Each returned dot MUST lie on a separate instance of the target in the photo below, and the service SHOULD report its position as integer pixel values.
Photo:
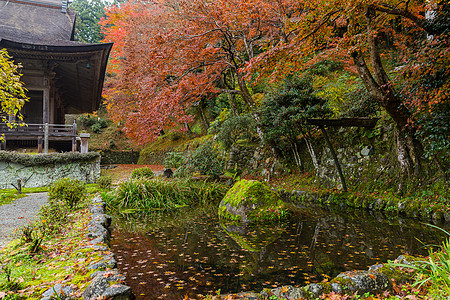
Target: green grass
(8, 196)
(62, 259)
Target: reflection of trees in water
(312, 243)
(342, 240)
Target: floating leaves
(200, 257)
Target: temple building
(62, 76)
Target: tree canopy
(89, 13)
(12, 92)
(171, 54)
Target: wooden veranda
(42, 133)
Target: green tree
(12, 92)
(284, 111)
(89, 14)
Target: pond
(189, 252)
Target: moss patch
(250, 200)
(62, 259)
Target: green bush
(234, 128)
(53, 216)
(184, 171)
(175, 159)
(99, 125)
(104, 182)
(69, 191)
(207, 160)
(49, 158)
(87, 120)
(142, 173)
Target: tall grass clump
(146, 195)
(433, 273)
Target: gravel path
(16, 214)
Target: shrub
(142, 173)
(183, 171)
(99, 125)
(234, 128)
(175, 159)
(53, 216)
(207, 160)
(87, 120)
(69, 191)
(104, 182)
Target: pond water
(189, 252)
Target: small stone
(103, 239)
(168, 173)
(375, 267)
(288, 292)
(315, 289)
(118, 291)
(97, 231)
(336, 287)
(96, 208)
(100, 219)
(366, 281)
(96, 288)
(447, 216)
(61, 291)
(367, 150)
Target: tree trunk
(381, 89)
(201, 112)
(297, 158)
(312, 153)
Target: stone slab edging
(105, 284)
(106, 281)
(406, 207)
(377, 279)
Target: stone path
(17, 214)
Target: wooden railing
(40, 132)
(54, 131)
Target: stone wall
(110, 157)
(44, 169)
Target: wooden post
(40, 144)
(335, 158)
(74, 144)
(74, 127)
(84, 142)
(74, 138)
(46, 138)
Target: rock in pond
(251, 201)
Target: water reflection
(192, 253)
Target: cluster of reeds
(142, 194)
(433, 272)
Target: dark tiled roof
(39, 33)
(33, 24)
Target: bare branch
(392, 10)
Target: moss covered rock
(252, 201)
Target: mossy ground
(62, 259)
